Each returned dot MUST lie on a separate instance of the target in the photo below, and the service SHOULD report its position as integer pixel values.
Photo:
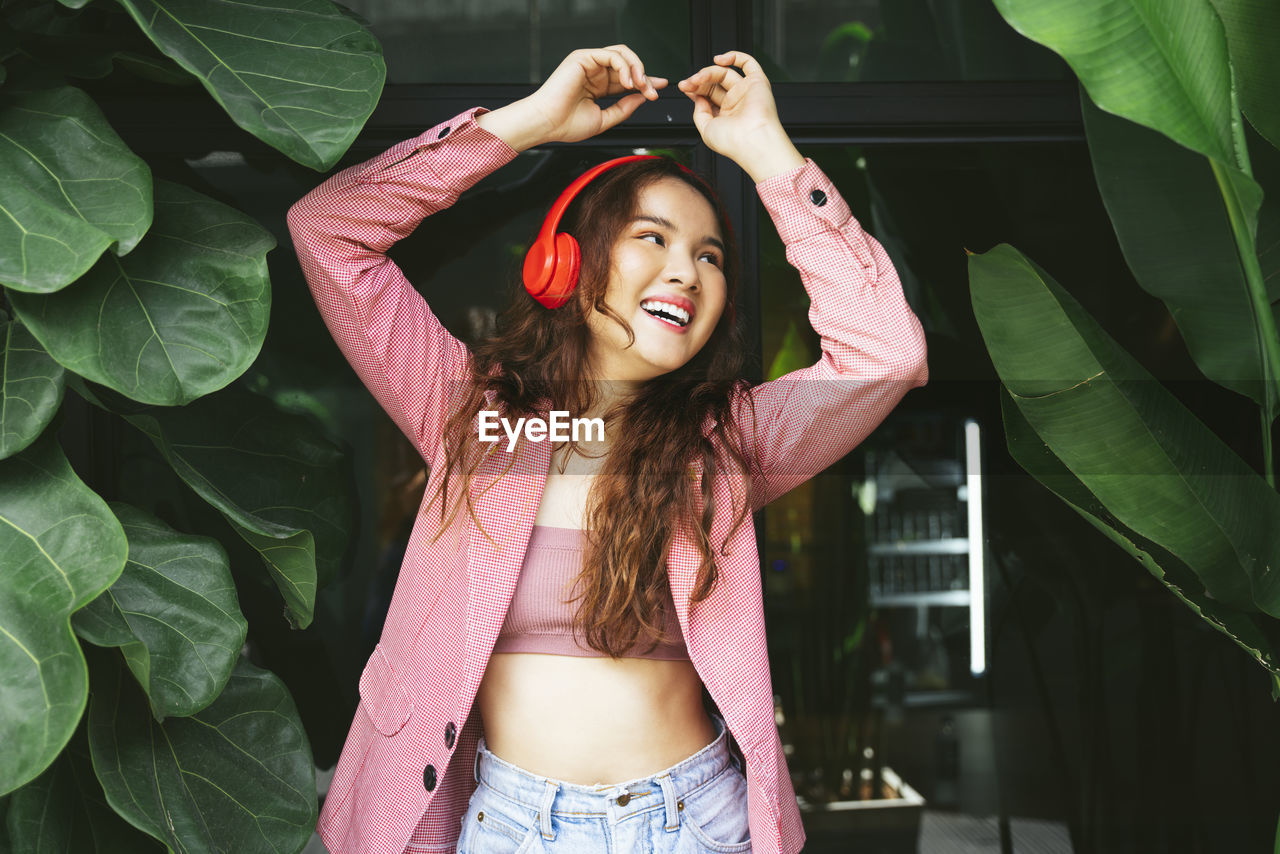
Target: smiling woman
(668, 266)
(495, 712)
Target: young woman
(563, 604)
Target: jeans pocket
(496, 825)
(715, 815)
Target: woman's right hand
(564, 108)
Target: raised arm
(873, 348)
(342, 230)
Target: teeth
(674, 311)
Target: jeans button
(624, 799)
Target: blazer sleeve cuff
(460, 151)
(803, 203)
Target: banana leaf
(1156, 468)
(1034, 456)
(1166, 66)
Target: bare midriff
(589, 720)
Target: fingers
(617, 65)
(620, 110)
(626, 65)
(634, 65)
(702, 112)
(711, 82)
(746, 62)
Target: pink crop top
(539, 619)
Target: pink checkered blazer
(405, 775)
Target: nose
(681, 270)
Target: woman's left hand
(737, 117)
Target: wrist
(769, 154)
(518, 124)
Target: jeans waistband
(613, 801)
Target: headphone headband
(552, 262)
(561, 204)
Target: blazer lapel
(682, 569)
(724, 630)
(506, 503)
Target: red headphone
(552, 263)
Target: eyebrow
(666, 223)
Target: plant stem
(1268, 461)
(1264, 320)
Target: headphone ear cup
(539, 265)
(564, 278)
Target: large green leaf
(71, 189)
(97, 54)
(90, 44)
(1155, 467)
(298, 74)
(236, 777)
(1166, 66)
(1168, 213)
(61, 547)
(1160, 63)
(173, 612)
(1253, 32)
(183, 315)
(31, 385)
(1032, 454)
(279, 482)
(64, 810)
(1266, 168)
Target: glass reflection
(519, 41)
(898, 40)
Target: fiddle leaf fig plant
(180, 316)
(172, 612)
(75, 188)
(131, 716)
(33, 384)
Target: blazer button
(818, 197)
(450, 732)
(443, 133)
(429, 778)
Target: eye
(712, 257)
(656, 238)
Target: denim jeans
(697, 805)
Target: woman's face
(667, 281)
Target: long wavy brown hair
(644, 488)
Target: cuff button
(443, 133)
(818, 198)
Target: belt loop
(669, 801)
(544, 811)
(475, 766)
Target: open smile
(669, 313)
(669, 326)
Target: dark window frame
(163, 122)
